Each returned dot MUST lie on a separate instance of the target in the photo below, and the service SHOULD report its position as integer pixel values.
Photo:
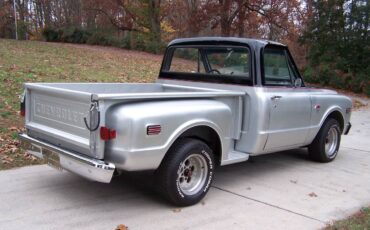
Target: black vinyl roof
(223, 40)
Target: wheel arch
(204, 131)
(335, 114)
(207, 135)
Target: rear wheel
(325, 146)
(186, 173)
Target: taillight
(23, 107)
(107, 134)
(23, 112)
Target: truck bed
(59, 109)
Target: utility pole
(15, 20)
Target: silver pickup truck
(216, 102)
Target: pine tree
(338, 40)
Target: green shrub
(74, 35)
(309, 76)
(154, 47)
(356, 84)
(80, 36)
(367, 89)
(22, 30)
(126, 42)
(114, 41)
(134, 40)
(51, 35)
(97, 39)
(360, 83)
(337, 81)
(65, 34)
(325, 74)
(139, 42)
(366, 76)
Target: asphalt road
(276, 191)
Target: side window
(292, 69)
(277, 69)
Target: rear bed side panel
(134, 150)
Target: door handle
(274, 98)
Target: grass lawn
(358, 221)
(31, 61)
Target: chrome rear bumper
(87, 167)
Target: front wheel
(325, 146)
(186, 173)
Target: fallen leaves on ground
(121, 227)
(312, 194)
(11, 155)
(13, 128)
(357, 104)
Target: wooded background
(329, 38)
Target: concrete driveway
(277, 191)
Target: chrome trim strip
(84, 166)
(165, 95)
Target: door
(289, 105)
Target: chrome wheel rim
(331, 142)
(192, 174)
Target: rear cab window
(226, 64)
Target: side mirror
(297, 82)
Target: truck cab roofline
(223, 40)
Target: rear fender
(133, 149)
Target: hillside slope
(32, 61)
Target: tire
(186, 173)
(325, 146)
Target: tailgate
(57, 115)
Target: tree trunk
(241, 19)
(154, 22)
(47, 12)
(192, 29)
(225, 17)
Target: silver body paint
(248, 120)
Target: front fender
(331, 110)
(329, 104)
(133, 149)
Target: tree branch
(114, 22)
(258, 11)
